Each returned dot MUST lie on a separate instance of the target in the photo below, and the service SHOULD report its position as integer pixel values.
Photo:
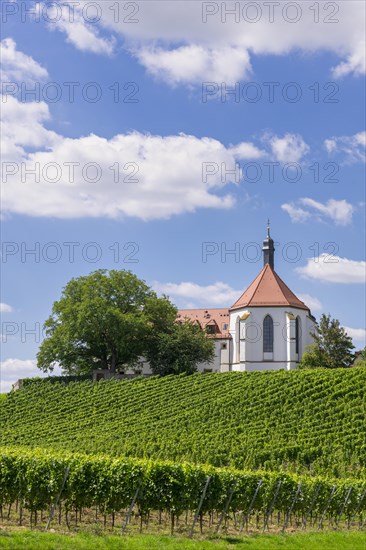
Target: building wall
(221, 362)
(247, 337)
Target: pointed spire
(268, 249)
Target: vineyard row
(295, 421)
(35, 480)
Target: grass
(329, 540)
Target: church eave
(266, 304)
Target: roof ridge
(279, 281)
(203, 309)
(260, 276)
(282, 283)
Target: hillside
(245, 420)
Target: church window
(268, 334)
(297, 334)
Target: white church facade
(267, 328)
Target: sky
(159, 137)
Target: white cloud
(194, 63)
(23, 127)
(215, 295)
(17, 66)
(357, 334)
(330, 145)
(165, 33)
(22, 122)
(333, 269)
(296, 213)
(313, 303)
(339, 211)
(289, 148)
(78, 28)
(137, 175)
(5, 308)
(351, 148)
(360, 138)
(168, 176)
(245, 151)
(354, 64)
(13, 369)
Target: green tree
(180, 349)
(103, 320)
(332, 346)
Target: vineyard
(183, 494)
(305, 422)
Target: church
(267, 328)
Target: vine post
(270, 509)
(326, 507)
(245, 519)
(67, 471)
(200, 505)
(289, 512)
(226, 506)
(357, 509)
(129, 512)
(343, 505)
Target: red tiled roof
(208, 317)
(268, 289)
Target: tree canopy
(332, 346)
(109, 320)
(179, 349)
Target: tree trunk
(113, 362)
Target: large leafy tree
(103, 320)
(332, 346)
(179, 349)
(110, 320)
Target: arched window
(297, 334)
(268, 334)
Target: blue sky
(194, 164)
